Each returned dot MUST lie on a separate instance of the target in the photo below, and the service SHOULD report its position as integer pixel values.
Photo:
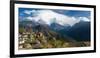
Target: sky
(75, 13)
(63, 17)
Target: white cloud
(29, 18)
(29, 11)
(49, 15)
(84, 19)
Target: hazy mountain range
(47, 21)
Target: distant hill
(58, 27)
(54, 36)
(49, 31)
(80, 31)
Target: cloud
(49, 16)
(84, 19)
(29, 11)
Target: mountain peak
(49, 16)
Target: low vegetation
(38, 40)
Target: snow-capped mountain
(51, 22)
(48, 17)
